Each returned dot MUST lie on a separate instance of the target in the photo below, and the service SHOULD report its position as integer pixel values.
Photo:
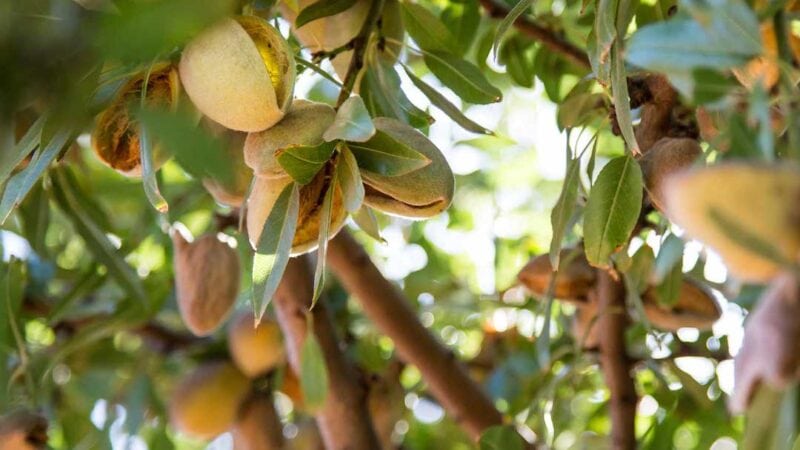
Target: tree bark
(258, 426)
(343, 420)
(617, 366)
(390, 311)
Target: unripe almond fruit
(115, 139)
(207, 276)
(303, 125)
(666, 158)
(419, 194)
(258, 426)
(574, 281)
(290, 386)
(230, 192)
(255, 349)
(266, 192)
(695, 308)
(240, 73)
(731, 205)
(765, 68)
(206, 403)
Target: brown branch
(547, 37)
(258, 426)
(386, 306)
(343, 420)
(359, 44)
(614, 360)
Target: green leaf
(612, 209)
(313, 373)
(149, 180)
(508, 20)
(12, 286)
(387, 156)
(196, 150)
(441, 102)
(581, 109)
(303, 162)
(605, 28)
(426, 30)
(366, 220)
(516, 56)
(562, 211)
(352, 122)
(349, 179)
(462, 18)
(11, 159)
(20, 184)
(322, 239)
(320, 9)
(642, 263)
(463, 77)
(274, 246)
(727, 37)
(765, 416)
(622, 106)
(669, 289)
(95, 238)
(383, 97)
(711, 85)
(501, 437)
(669, 255)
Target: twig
(547, 37)
(343, 420)
(614, 360)
(389, 310)
(359, 44)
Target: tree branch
(386, 306)
(547, 37)
(359, 44)
(614, 360)
(343, 420)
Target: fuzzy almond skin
(206, 403)
(770, 351)
(303, 125)
(758, 200)
(764, 68)
(207, 273)
(573, 282)
(255, 350)
(266, 192)
(420, 194)
(23, 430)
(232, 192)
(666, 158)
(228, 80)
(695, 308)
(115, 138)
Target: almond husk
(695, 308)
(207, 274)
(574, 281)
(255, 349)
(669, 156)
(240, 73)
(770, 351)
(23, 430)
(115, 138)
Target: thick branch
(389, 310)
(258, 426)
(343, 421)
(547, 37)
(614, 360)
(360, 43)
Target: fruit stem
(359, 45)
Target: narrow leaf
(23, 148)
(274, 246)
(612, 209)
(313, 373)
(322, 247)
(149, 174)
(352, 122)
(463, 77)
(562, 211)
(349, 179)
(509, 20)
(303, 162)
(320, 9)
(501, 437)
(383, 97)
(669, 255)
(426, 29)
(366, 220)
(622, 106)
(387, 156)
(441, 102)
(20, 184)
